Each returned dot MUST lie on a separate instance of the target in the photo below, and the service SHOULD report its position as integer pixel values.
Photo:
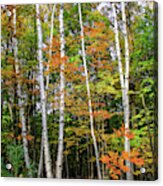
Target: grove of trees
(79, 90)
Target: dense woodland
(79, 90)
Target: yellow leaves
(70, 143)
(10, 135)
(66, 152)
(19, 125)
(92, 159)
(105, 137)
(7, 73)
(19, 137)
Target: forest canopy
(79, 90)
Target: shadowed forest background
(79, 90)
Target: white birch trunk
(88, 93)
(117, 43)
(124, 79)
(59, 163)
(42, 97)
(20, 99)
(50, 44)
(126, 96)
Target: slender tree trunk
(42, 97)
(50, 44)
(59, 163)
(20, 99)
(47, 83)
(89, 94)
(124, 80)
(127, 105)
(117, 42)
(40, 166)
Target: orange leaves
(125, 155)
(28, 137)
(112, 163)
(19, 137)
(56, 61)
(135, 158)
(125, 168)
(129, 135)
(115, 162)
(122, 132)
(81, 37)
(101, 113)
(99, 24)
(105, 159)
(138, 161)
(19, 125)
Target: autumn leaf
(29, 137)
(125, 155)
(105, 159)
(19, 137)
(129, 135)
(20, 125)
(125, 168)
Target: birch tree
(126, 96)
(59, 163)
(42, 96)
(47, 82)
(124, 78)
(89, 93)
(20, 97)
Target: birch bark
(59, 163)
(124, 79)
(129, 175)
(20, 99)
(42, 97)
(47, 85)
(88, 93)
